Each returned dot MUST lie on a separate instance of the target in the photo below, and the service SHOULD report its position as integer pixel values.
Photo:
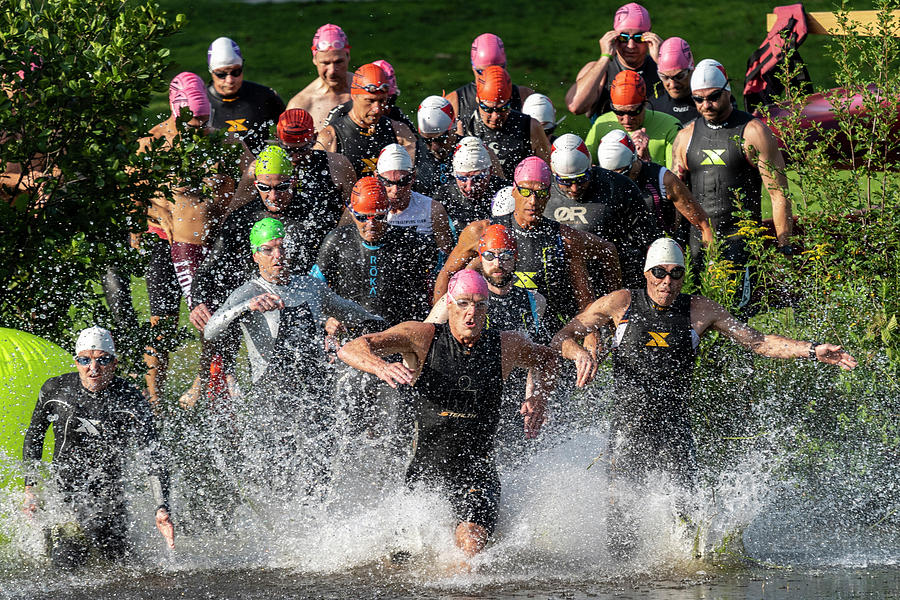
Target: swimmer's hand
(395, 374)
(534, 409)
(266, 302)
(586, 368)
(200, 316)
(30, 505)
(166, 527)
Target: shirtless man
(331, 55)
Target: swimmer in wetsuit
(457, 412)
(95, 415)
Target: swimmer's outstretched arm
(412, 339)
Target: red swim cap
(493, 85)
(368, 196)
(628, 88)
(496, 237)
(187, 89)
(295, 126)
(370, 79)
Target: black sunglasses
(101, 360)
(676, 273)
(402, 182)
(362, 217)
(234, 73)
(628, 113)
(572, 180)
(281, 187)
(714, 97)
(493, 109)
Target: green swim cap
(265, 230)
(273, 161)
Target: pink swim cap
(487, 50)
(675, 55)
(187, 89)
(330, 37)
(392, 78)
(467, 281)
(532, 168)
(631, 16)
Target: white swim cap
(471, 155)
(569, 156)
(503, 202)
(95, 338)
(616, 150)
(223, 52)
(709, 74)
(664, 251)
(435, 115)
(539, 107)
(394, 158)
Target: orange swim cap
(368, 196)
(496, 237)
(370, 79)
(493, 85)
(628, 88)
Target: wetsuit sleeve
(232, 309)
(33, 447)
(345, 311)
(324, 268)
(639, 221)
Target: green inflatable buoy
(26, 362)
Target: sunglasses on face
(502, 255)
(624, 37)
(101, 360)
(572, 180)
(628, 113)
(622, 170)
(326, 45)
(712, 98)
(372, 88)
(526, 192)
(237, 72)
(477, 177)
(676, 273)
(362, 217)
(679, 76)
(402, 182)
(281, 187)
(493, 109)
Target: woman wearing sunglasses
(95, 416)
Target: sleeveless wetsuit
(647, 71)
(342, 109)
(461, 210)
(431, 173)
(611, 208)
(248, 114)
(653, 364)
(456, 415)
(360, 145)
(511, 142)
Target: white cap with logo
(569, 156)
(709, 74)
(95, 338)
(616, 150)
(435, 115)
(540, 108)
(394, 157)
(223, 52)
(503, 202)
(664, 251)
(471, 155)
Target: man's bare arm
(679, 152)
(762, 148)
(410, 338)
(689, 208)
(342, 174)
(406, 138)
(440, 226)
(327, 140)
(591, 78)
(465, 250)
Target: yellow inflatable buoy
(26, 362)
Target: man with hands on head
(458, 370)
(657, 332)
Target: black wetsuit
(542, 266)
(511, 142)
(613, 209)
(650, 181)
(249, 114)
(360, 145)
(647, 71)
(653, 364)
(389, 277)
(460, 210)
(92, 435)
(431, 173)
(682, 109)
(467, 98)
(720, 174)
(514, 311)
(458, 397)
(342, 109)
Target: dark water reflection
(881, 582)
